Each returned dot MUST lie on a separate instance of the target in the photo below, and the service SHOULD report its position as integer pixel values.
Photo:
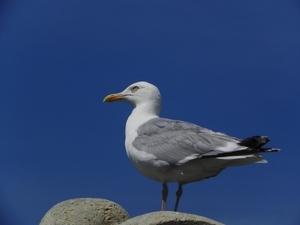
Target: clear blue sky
(231, 66)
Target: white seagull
(168, 150)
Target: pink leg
(164, 197)
(178, 195)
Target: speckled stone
(85, 211)
(170, 218)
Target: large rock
(85, 211)
(170, 218)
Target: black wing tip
(255, 141)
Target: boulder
(170, 218)
(85, 211)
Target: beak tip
(113, 97)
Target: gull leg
(164, 192)
(178, 195)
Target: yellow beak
(113, 97)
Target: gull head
(138, 94)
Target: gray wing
(177, 142)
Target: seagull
(167, 150)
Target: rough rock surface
(85, 211)
(170, 218)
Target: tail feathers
(245, 152)
(269, 149)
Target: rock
(170, 218)
(85, 211)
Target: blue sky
(231, 66)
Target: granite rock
(85, 211)
(170, 218)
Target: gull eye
(134, 88)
